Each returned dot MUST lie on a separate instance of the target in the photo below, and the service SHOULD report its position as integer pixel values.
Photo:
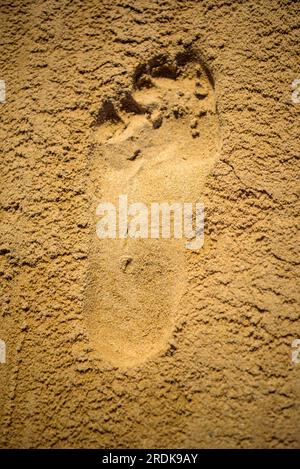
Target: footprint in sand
(156, 144)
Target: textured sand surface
(173, 348)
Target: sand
(144, 343)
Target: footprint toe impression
(156, 144)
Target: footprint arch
(156, 143)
